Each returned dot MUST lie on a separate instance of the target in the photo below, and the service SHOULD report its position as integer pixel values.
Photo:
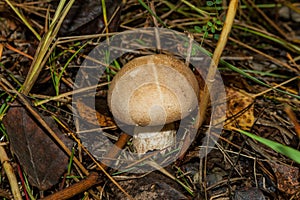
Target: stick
(215, 61)
(77, 188)
(10, 174)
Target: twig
(92, 179)
(215, 61)
(274, 25)
(277, 61)
(44, 45)
(24, 20)
(115, 150)
(210, 78)
(274, 87)
(10, 174)
(62, 145)
(102, 168)
(44, 124)
(293, 119)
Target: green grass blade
(255, 79)
(71, 162)
(247, 75)
(202, 12)
(37, 64)
(23, 19)
(151, 12)
(293, 154)
(273, 38)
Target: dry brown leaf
(240, 110)
(87, 113)
(287, 177)
(42, 160)
(86, 17)
(249, 194)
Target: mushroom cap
(153, 90)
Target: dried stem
(10, 174)
(77, 188)
(215, 61)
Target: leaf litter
(238, 167)
(40, 157)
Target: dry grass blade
(68, 94)
(25, 21)
(45, 125)
(277, 61)
(40, 58)
(10, 174)
(293, 118)
(65, 148)
(104, 16)
(260, 60)
(280, 31)
(273, 88)
(215, 61)
(165, 172)
(1, 50)
(18, 51)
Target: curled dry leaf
(41, 158)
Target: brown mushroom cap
(153, 90)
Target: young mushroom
(151, 93)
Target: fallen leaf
(40, 157)
(287, 177)
(293, 119)
(86, 17)
(249, 194)
(88, 115)
(240, 110)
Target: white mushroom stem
(152, 138)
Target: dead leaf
(42, 160)
(87, 113)
(86, 17)
(240, 112)
(287, 177)
(293, 119)
(249, 194)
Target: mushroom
(150, 93)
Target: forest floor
(50, 145)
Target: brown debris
(91, 180)
(240, 110)
(287, 177)
(41, 158)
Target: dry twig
(10, 174)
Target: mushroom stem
(152, 138)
